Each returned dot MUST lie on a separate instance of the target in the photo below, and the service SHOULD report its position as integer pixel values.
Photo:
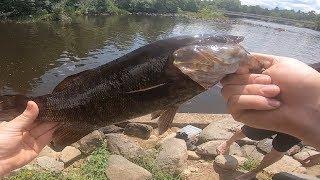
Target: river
(35, 57)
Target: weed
(249, 165)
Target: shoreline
(227, 18)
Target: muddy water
(35, 57)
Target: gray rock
(228, 162)
(265, 145)
(120, 168)
(293, 176)
(193, 155)
(142, 131)
(304, 154)
(294, 150)
(47, 151)
(190, 135)
(69, 154)
(285, 164)
(90, 142)
(247, 141)
(50, 164)
(209, 149)
(120, 144)
(250, 151)
(111, 129)
(219, 130)
(173, 156)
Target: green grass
(148, 162)
(249, 165)
(35, 175)
(96, 164)
(92, 169)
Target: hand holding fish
(21, 139)
(256, 100)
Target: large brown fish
(156, 78)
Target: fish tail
(13, 102)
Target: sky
(303, 5)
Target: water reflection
(36, 57)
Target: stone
(247, 141)
(209, 149)
(294, 150)
(50, 164)
(314, 170)
(193, 155)
(265, 145)
(219, 130)
(229, 162)
(70, 154)
(190, 135)
(121, 168)
(285, 164)
(293, 176)
(304, 154)
(173, 156)
(111, 129)
(142, 131)
(90, 142)
(121, 145)
(169, 136)
(251, 152)
(47, 151)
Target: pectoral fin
(156, 114)
(166, 119)
(145, 89)
(66, 134)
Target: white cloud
(303, 5)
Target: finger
(265, 60)
(243, 70)
(42, 129)
(238, 103)
(43, 140)
(250, 89)
(27, 117)
(244, 79)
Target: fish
(154, 79)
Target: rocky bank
(188, 153)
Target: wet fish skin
(138, 83)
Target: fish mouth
(209, 62)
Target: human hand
(256, 100)
(22, 139)
(311, 161)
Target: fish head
(207, 59)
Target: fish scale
(158, 77)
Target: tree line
(56, 8)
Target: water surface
(35, 57)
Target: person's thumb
(24, 120)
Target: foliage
(92, 169)
(35, 175)
(96, 165)
(209, 12)
(148, 162)
(61, 9)
(249, 165)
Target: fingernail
(262, 79)
(274, 103)
(269, 88)
(29, 106)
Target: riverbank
(134, 149)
